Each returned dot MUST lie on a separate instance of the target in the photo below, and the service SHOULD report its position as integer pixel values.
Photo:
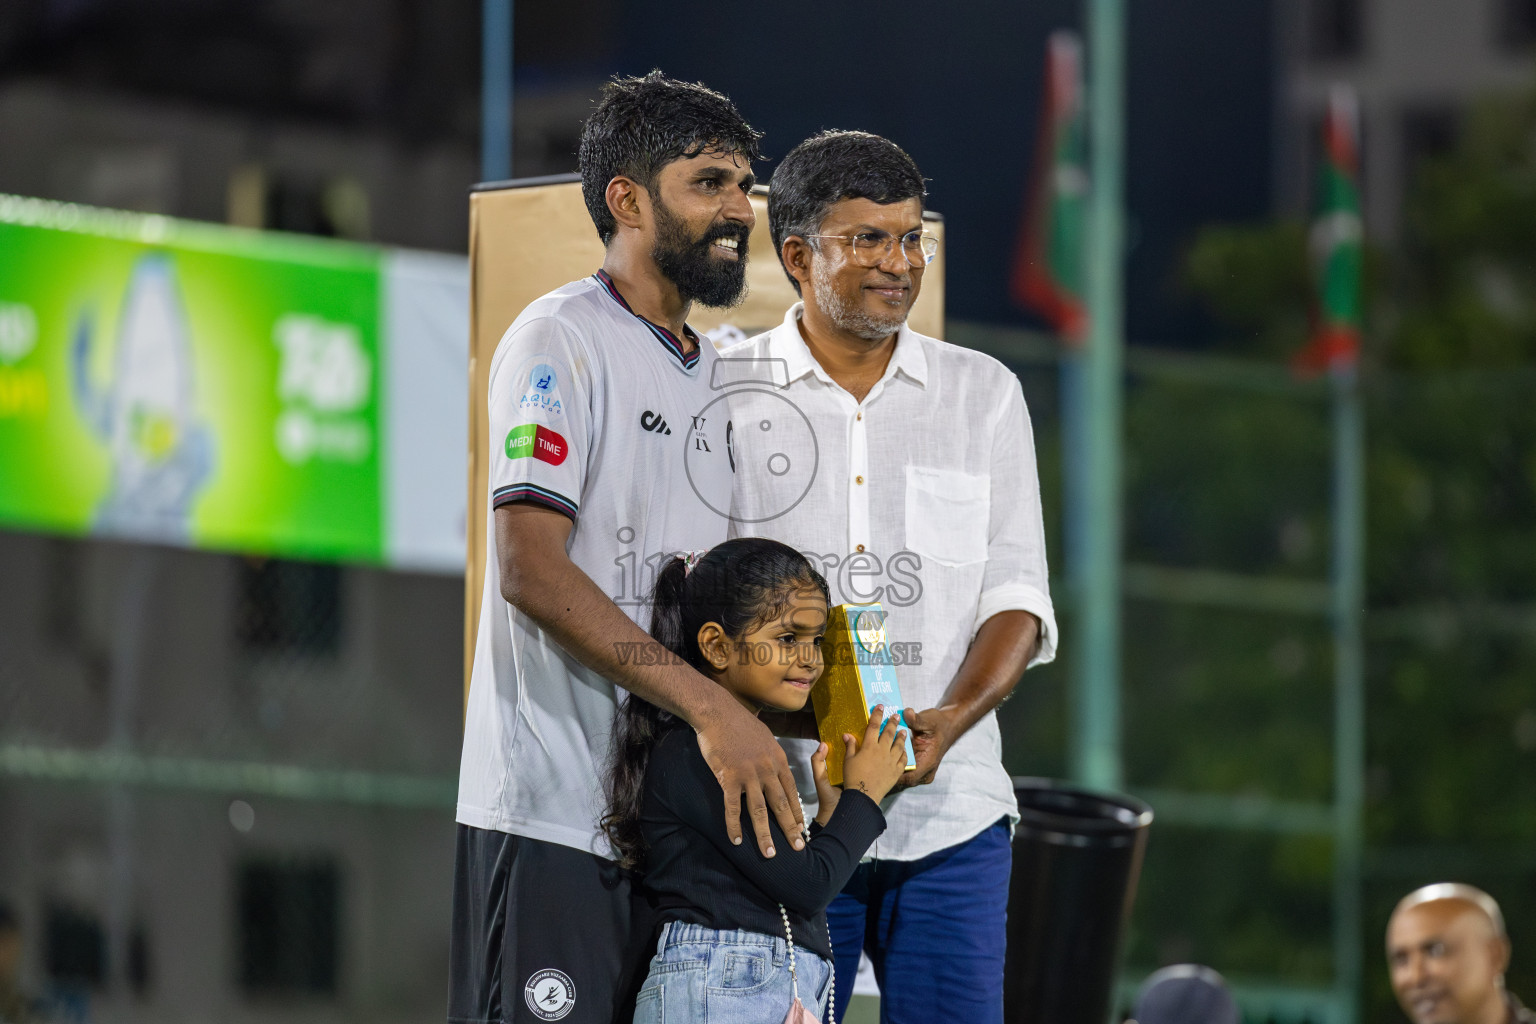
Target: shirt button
(860, 416)
(860, 549)
(858, 479)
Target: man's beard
(700, 276)
(856, 320)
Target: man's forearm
(991, 668)
(565, 602)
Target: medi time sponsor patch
(532, 440)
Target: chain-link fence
(226, 783)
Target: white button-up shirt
(924, 497)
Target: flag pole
(1348, 601)
(1337, 243)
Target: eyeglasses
(872, 248)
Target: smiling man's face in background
(1446, 960)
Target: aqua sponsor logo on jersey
(543, 394)
(543, 379)
(533, 441)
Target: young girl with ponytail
(749, 614)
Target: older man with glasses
(917, 488)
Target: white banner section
(426, 410)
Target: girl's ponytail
(667, 606)
(638, 725)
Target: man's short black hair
(642, 124)
(828, 168)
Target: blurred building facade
(1417, 66)
(357, 119)
(195, 897)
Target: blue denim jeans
(727, 977)
(935, 930)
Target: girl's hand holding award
(871, 766)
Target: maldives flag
(1336, 242)
(1047, 276)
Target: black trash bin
(1076, 859)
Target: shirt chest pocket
(947, 514)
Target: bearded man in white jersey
(606, 455)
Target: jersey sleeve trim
(533, 493)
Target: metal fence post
(1096, 724)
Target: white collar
(785, 342)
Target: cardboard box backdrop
(532, 236)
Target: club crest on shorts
(550, 994)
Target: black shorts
(544, 932)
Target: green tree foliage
(1255, 281)
(1466, 294)
(1449, 372)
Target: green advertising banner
(189, 384)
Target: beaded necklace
(789, 939)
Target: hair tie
(690, 559)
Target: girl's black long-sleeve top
(699, 877)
